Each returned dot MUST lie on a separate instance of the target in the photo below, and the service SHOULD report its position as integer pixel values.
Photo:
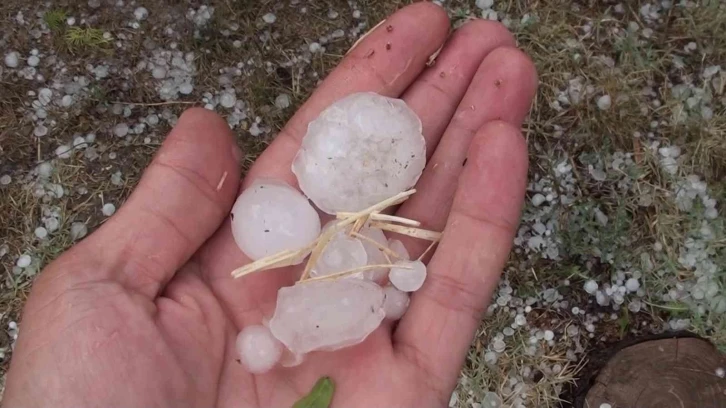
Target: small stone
(5, 179)
(33, 61)
(78, 230)
(108, 209)
(41, 232)
(12, 59)
(269, 18)
(121, 130)
(24, 261)
(604, 102)
(141, 13)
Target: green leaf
(320, 396)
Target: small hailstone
(356, 14)
(282, 101)
(121, 130)
(398, 247)
(45, 95)
(71, 21)
(158, 72)
(484, 4)
(269, 18)
(520, 320)
(41, 232)
(108, 209)
(78, 230)
(141, 13)
(186, 89)
(395, 302)
(590, 286)
(605, 405)
(549, 335)
(63, 151)
(258, 349)
(270, 216)
(332, 14)
(490, 357)
(408, 279)
(66, 101)
(5, 179)
(538, 199)
(508, 331)
(51, 224)
(40, 131)
(12, 59)
(327, 315)
(499, 345)
(362, 149)
(720, 372)
(227, 100)
(314, 47)
(23, 261)
(632, 285)
(33, 61)
(604, 102)
(342, 253)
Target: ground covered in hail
(623, 232)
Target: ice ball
(409, 277)
(342, 253)
(327, 315)
(395, 302)
(362, 149)
(270, 216)
(258, 349)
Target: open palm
(144, 313)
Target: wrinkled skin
(143, 313)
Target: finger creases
(386, 61)
(180, 201)
(443, 316)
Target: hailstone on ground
(409, 277)
(327, 315)
(270, 217)
(362, 149)
(258, 349)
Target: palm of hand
(145, 313)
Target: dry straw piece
(370, 215)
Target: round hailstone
(141, 13)
(549, 335)
(341, 254)
(327, 315)
(410, 278)
(269, 18)
(158, 72)
(632, 285)
(5, 179)
(63, 151)
(282, 101)
(121, 130)
(604, 102)
(395, 302)
(258, 349)
(66, 101)
(41, 232)
(40, 131)
(33, 61)
(227, 100)
(24, 261)
(78, 230)
(108, 209)
(270, 216)
(590, 286)
(362, 149)
(398, 247)
(12, 59)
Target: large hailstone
(327, 315)
(362, 149)
(409, 277)
(258, 349)
(270, 216)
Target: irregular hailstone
(258, 349)
(327, 315)
(375, 255)
(342, 253)
(395, 302)
(410, 277)
(362, 149)
(398, 247)
(270, 216)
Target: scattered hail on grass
(372, 152)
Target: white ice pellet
(342, 253)
(66, 101)
(186, 89)
(720, 372)
(499, 345)
(41, 232)
(270, 216)
(282, 101)
(24, 261)
(356, 14)
(33, 61)
(605, 405)
(78, 230)
(12, 59)
(5, 179)
(258, 349)
(604, 102)
(314, 47)
(108, 209)
(395, 302)
(227, 100)
(63, 151)
(121, 130)
(45, 95)
(590, 286)
(484, 4)
(51, 224)
(549, 335)
(158, 72)
(408, 276)
(269, 18)
(362, 149)
(40, 131)
(141, 13)
(632, 285)
(490, 357)
(538, 199)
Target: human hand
(144, 312)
